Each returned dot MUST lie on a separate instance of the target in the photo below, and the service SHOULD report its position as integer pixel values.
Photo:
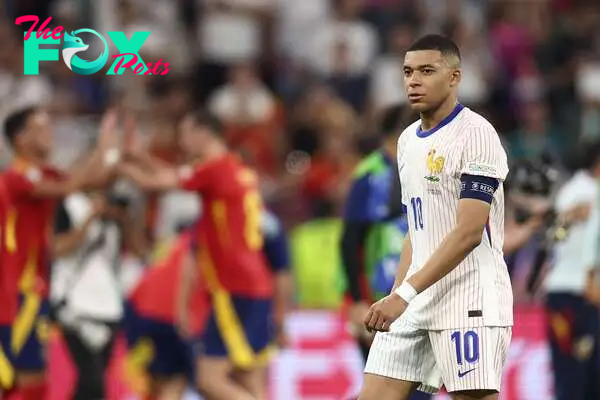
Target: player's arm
(146, 161)
(404, 263)
(467, 234)
(164, 177)
(276, 250)
(483, 167)
(187, 281)
(159, 179)
(356, 227)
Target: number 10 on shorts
(466, 346)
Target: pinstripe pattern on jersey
(468, 144)
(416, 355)
(405, 353)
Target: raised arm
(159, 179)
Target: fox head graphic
(73, 45)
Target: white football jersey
(430, 163)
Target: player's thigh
(471, 360)
(240, 329)
(399, 362)
(475, 395)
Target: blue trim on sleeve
(356, 209)
(478, 187)
(404, 208)
(423, 134)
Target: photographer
(85, 294)
(530, 187)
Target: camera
(536, 178)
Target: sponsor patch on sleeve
(478, 168)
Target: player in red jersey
(7, 309)
(155, 347)
(32, 186)
(230, 242)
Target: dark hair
(204, 118)
(440, 43)
(589, 152)
(15, 122)
(392, 120)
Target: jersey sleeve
(591, 246)
(402, 140)
(21, 184)
(276, 248)
(483, 154)
(355, 209)
(195, 179)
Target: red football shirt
(8, 301)
(229, 232)
(27, 229)
(154, 296)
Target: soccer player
(449, 315)
(156, 348)
(7, 310)
(374, 225)
(32, 186)
(573, 318)
(230, 243)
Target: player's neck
(214, 151)
(431, 119)
(29, 158)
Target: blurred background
(300, 86)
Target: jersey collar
(423, 134)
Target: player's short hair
(443, 44)
(15, 123)
(394, 119)
(207, 119)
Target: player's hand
(383, 313)
(108, 137)
(356, 315)
(98, 206)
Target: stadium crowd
(302, 89)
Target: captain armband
(478, 187)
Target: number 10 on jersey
(417, 209)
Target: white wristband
(406, 291)
(111, 157)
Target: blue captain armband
(478, 187)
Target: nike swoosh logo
(461, 374)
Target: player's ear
(455, 76)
